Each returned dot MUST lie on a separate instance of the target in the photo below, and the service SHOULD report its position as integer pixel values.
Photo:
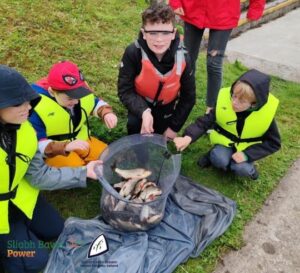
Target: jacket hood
(14, 89)
(260, 84)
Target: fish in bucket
(137, 175)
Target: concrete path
(273, 48)
(272, 239)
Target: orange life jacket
(156, 87)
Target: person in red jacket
(220, 17)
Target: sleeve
(256, 9)
(271, 143)
(38, 125)
(175, 4)
(129, 69)
(200, 126)
(186, 100)
(45, 177)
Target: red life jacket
(156, 87)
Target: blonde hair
(244, 91)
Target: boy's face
(63, 100)
(239, 104)
(159, 37)
(15, 114)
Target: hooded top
(260, 84)
(130, 68)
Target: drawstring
(231, 122)
(24, 158)
(87, 122)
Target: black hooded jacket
(260, 84)
(131, 67)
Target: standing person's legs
(220, 156)
(214, 63)
(192, 42)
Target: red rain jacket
(216, 14)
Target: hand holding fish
(147, 123)
(182, 142)
(90, 173)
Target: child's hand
(110, 120)
(182, 142)
(90, 173)
(169, 134)
(239, 157)
(147, 123)
(77, 145)
(179, 11)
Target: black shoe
(254, 175)
(204, 161)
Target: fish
(150, 193)
(133, 173)
(128, 187)
(154, 218)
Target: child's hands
(147, 123)
(110, 120)
(239, 157)
(77, 145)
(182, 142)
(90, 173)
(169, 134)
(179, 11)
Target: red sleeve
(175, 4)
(256, 9)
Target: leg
(244, 169)
(215, 54)
(96, 149)
(192, 41)
(134, 124)
(220, 156)
(71, 160)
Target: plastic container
(136, 151)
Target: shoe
(204, 161)
(254, 175)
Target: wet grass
(34, 34)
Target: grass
(94, 34)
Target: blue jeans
(217, 43)
(220, 157)
(45, 225)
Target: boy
(244, 129)
(155, 81)
(25, 216)
(61, 117)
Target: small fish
(154, 218)
(128, 225)
(134, 173)
(119, 185)
(150, 193)
(128, 187)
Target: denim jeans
(220, 157)
(214, 60)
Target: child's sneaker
(204, 161)
(254, 175)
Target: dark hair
(158, 13)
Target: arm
(129, 69)
(256, 9)
(186, 100)
(45, 177)
(104, 111)
(270, 144)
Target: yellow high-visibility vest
(26, 195)
(255, 126)
(57, 120)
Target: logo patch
(99, 246)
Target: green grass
(94, 34)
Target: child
(26, 219)
(155, 82)
(244, 129)
(61, 117)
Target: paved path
(273, 48)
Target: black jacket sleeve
(187, 98)
(270, 144)
(129, 68)
(200, 126)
